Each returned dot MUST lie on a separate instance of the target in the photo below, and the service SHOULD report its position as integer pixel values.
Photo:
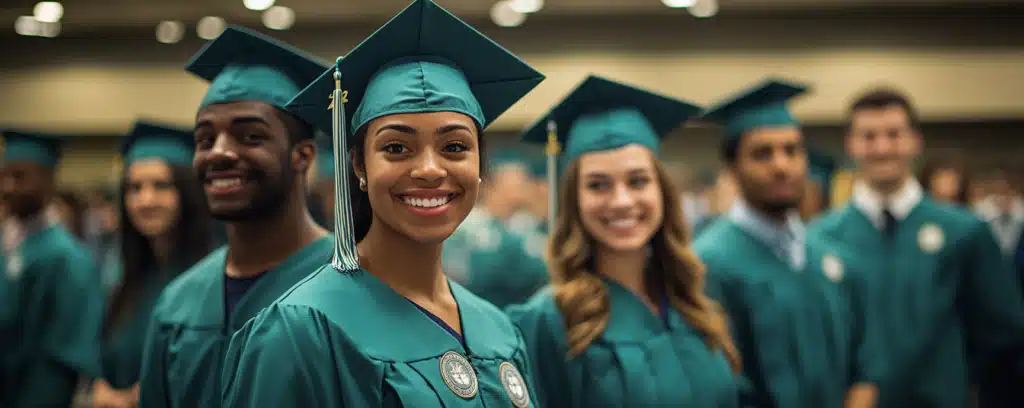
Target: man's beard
(269, 200)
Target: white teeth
(426, 202)
(226, 182)
(623, 223)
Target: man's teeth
(226, 182)
(623, 223)
(426, 202)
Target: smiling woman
(418, 94)
(625, 322)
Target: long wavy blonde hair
(583, 298)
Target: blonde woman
(625, 322)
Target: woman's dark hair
(935, 165)
(77, 207)
(192, 240)
(362, 214)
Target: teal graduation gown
(943, 296)
(123, 346)
(641, 359)
(499, 265)
(345, 339)
(57, 307)
(794, 330)
(184, 349)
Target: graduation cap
(22, 146)
(149, 140)
(821, 167)
(500, 158)
(601, 114)
(244, 65)
(423, 60)
(761, 106)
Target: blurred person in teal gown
(167, 228)
(785, 291)
(625, 322)
(948, 306)
(252, 158)
(382, 325)
(54, 291)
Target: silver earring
(362, 183)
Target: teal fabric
(189, 332)
(821, 167)
(423, 60)
(493, 262)
(939, 313)
(244, 65)
(57, 303)
(761, 106)
(347, 340)
(21, 146)
(123, 346)
(793, 326)
(154, 141)
(642, 359)
(601, 114)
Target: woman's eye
(455, 148)
(394, 148)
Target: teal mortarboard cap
(761, 106)
(244, 65)
(500, 158)
(21, 146)
(149, 140)
(599, 115)
(423, 60)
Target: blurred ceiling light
(679, 3)
(704, 8)
(504, 15)
(26, 25)
(49, 30)
(48, 11)
(526, 6)
(170, 32)
(210, 27)
(258, 5)
(279, 18)
(29, 26)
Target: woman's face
(150, 198)
(620, 197)
(422, 172)
(945, 185)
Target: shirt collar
(899, 205)
(768, 231)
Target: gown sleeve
(866, 359)
(282, 358)
(547, 350)
(993, 302)
(719, 288)
(70, 337)
(153, 374)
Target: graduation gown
(346, 339)
(498, 264)
(123, 346)
(56, 306)
(185, 345)
(943, 295)
(640, 360)
(793, 327)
